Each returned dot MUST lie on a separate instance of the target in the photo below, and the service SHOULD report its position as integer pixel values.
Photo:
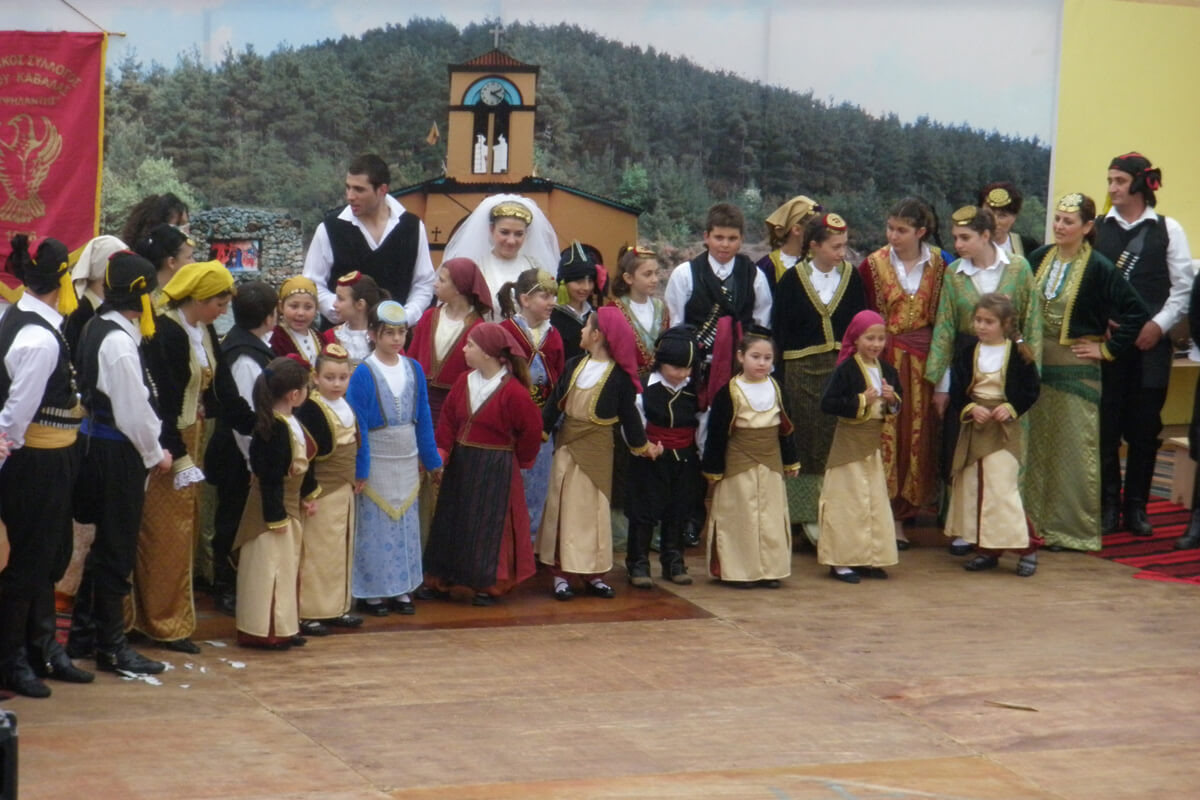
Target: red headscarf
(857, 327)
(467, 278)
(621, 344)
(495, 340)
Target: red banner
(51, 134)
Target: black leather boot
(1139, 471)
(1110, 491)
(81, 641)
(671, 554)
(15, 673)
(113, 652)
(46, 655)
(1191, 537)
(637, 554)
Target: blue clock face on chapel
(492, 91)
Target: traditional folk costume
(183, 358)
(399, 261)
(985, 506)
(269, 540)
(542, 347)
(1190, 539)
(664, 490)
(646, 321)
(794, 213)
(749, 447)
(591, 397)
(998, 197)
(722, 302)
(328, 535)
(809, 316)
(963, 285)
(89, 265)
(120, 444)
(473, 240)
(573, 265)
(356, 342)
(1078, 299)
(392, 407)
(304, 345)
(39, 415)
(908, 302)
(1152, 254)
(857, 529)
(491, 428)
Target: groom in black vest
(374, 235)
(1151, 251)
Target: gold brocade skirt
(857, 528)
(327, 554)
(749, 534)
(576, 528)
(985, 505)
(266, 578)
(161, 600)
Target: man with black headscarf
(1151, 251)
(40, 416)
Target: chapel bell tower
(490, 132)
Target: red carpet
(1155, 556)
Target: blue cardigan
(363, 397)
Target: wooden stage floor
(818, 690)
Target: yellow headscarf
(198, 281)
(797, 211)
(297, 284)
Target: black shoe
(845, 577)
(679, 578)
(1137, 521)
(639, 578)
(17, 676)
(1191, 537)
(878, 573)
(402, 607)
(961, 549)
(226, 603)
(313, 627)
(981, 562)
(344, 621)
(691, 534)
(184, 645)
(601, 589)
(903, 544)
(297, 640)
(1110, 518)
(423, 592)
(771, 583)
(563, 593)
(483, 600)
(126, 659)
(58, 667)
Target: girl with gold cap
(294, 336)
(785, 234)
(183, 358)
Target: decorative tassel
(67, 301)
(147, 322)
(563, 297)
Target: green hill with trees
(646, 128)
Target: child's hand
(1000, 414)
(442, 454)
(980, 414)
(888, 392)
(310, 507)
(654, 450)
(5, 446)
(435, 475)
(871, 394)
(792, 472)
(941, 401)
(359, 485)
(712, 480)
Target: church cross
(436, 233)
(495, 32)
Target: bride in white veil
(505, 235)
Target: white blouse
(591, 373)
(759, 394)
(355, 342)
(396, 375)
(446, 334)
(479, 388)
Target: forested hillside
(637, 125)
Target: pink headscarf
(857, 327)
(621, 344)
(466, 277)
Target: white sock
(560, 583)
(405, 598)
(374, 601)
(1029, 558)
(843, 570)
(597, 582)
(959, 541)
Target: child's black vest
(713, 298)
(391, 264)
(98, 404)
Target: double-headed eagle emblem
(25, 159)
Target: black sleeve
(787, 449)
(720, 417)
(786, 308)
(892, 376)
(1127, 309)
(962, 372)
(627, 413)
(552, 411)
(313, 419)
(1024, 383)
(168, 360)
(842, 395)
(855, 299)
(270, 460)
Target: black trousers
(35, 504)
(111, 492)
(233, 487)
(1133, 391)
(662, 490)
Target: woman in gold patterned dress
(182, 359)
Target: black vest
(241, 342)
(87, 356)
(391, 264)
(59, 398)
(713, 298)
(1149, 274)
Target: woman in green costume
(1080, 292)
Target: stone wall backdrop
(282, 242)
